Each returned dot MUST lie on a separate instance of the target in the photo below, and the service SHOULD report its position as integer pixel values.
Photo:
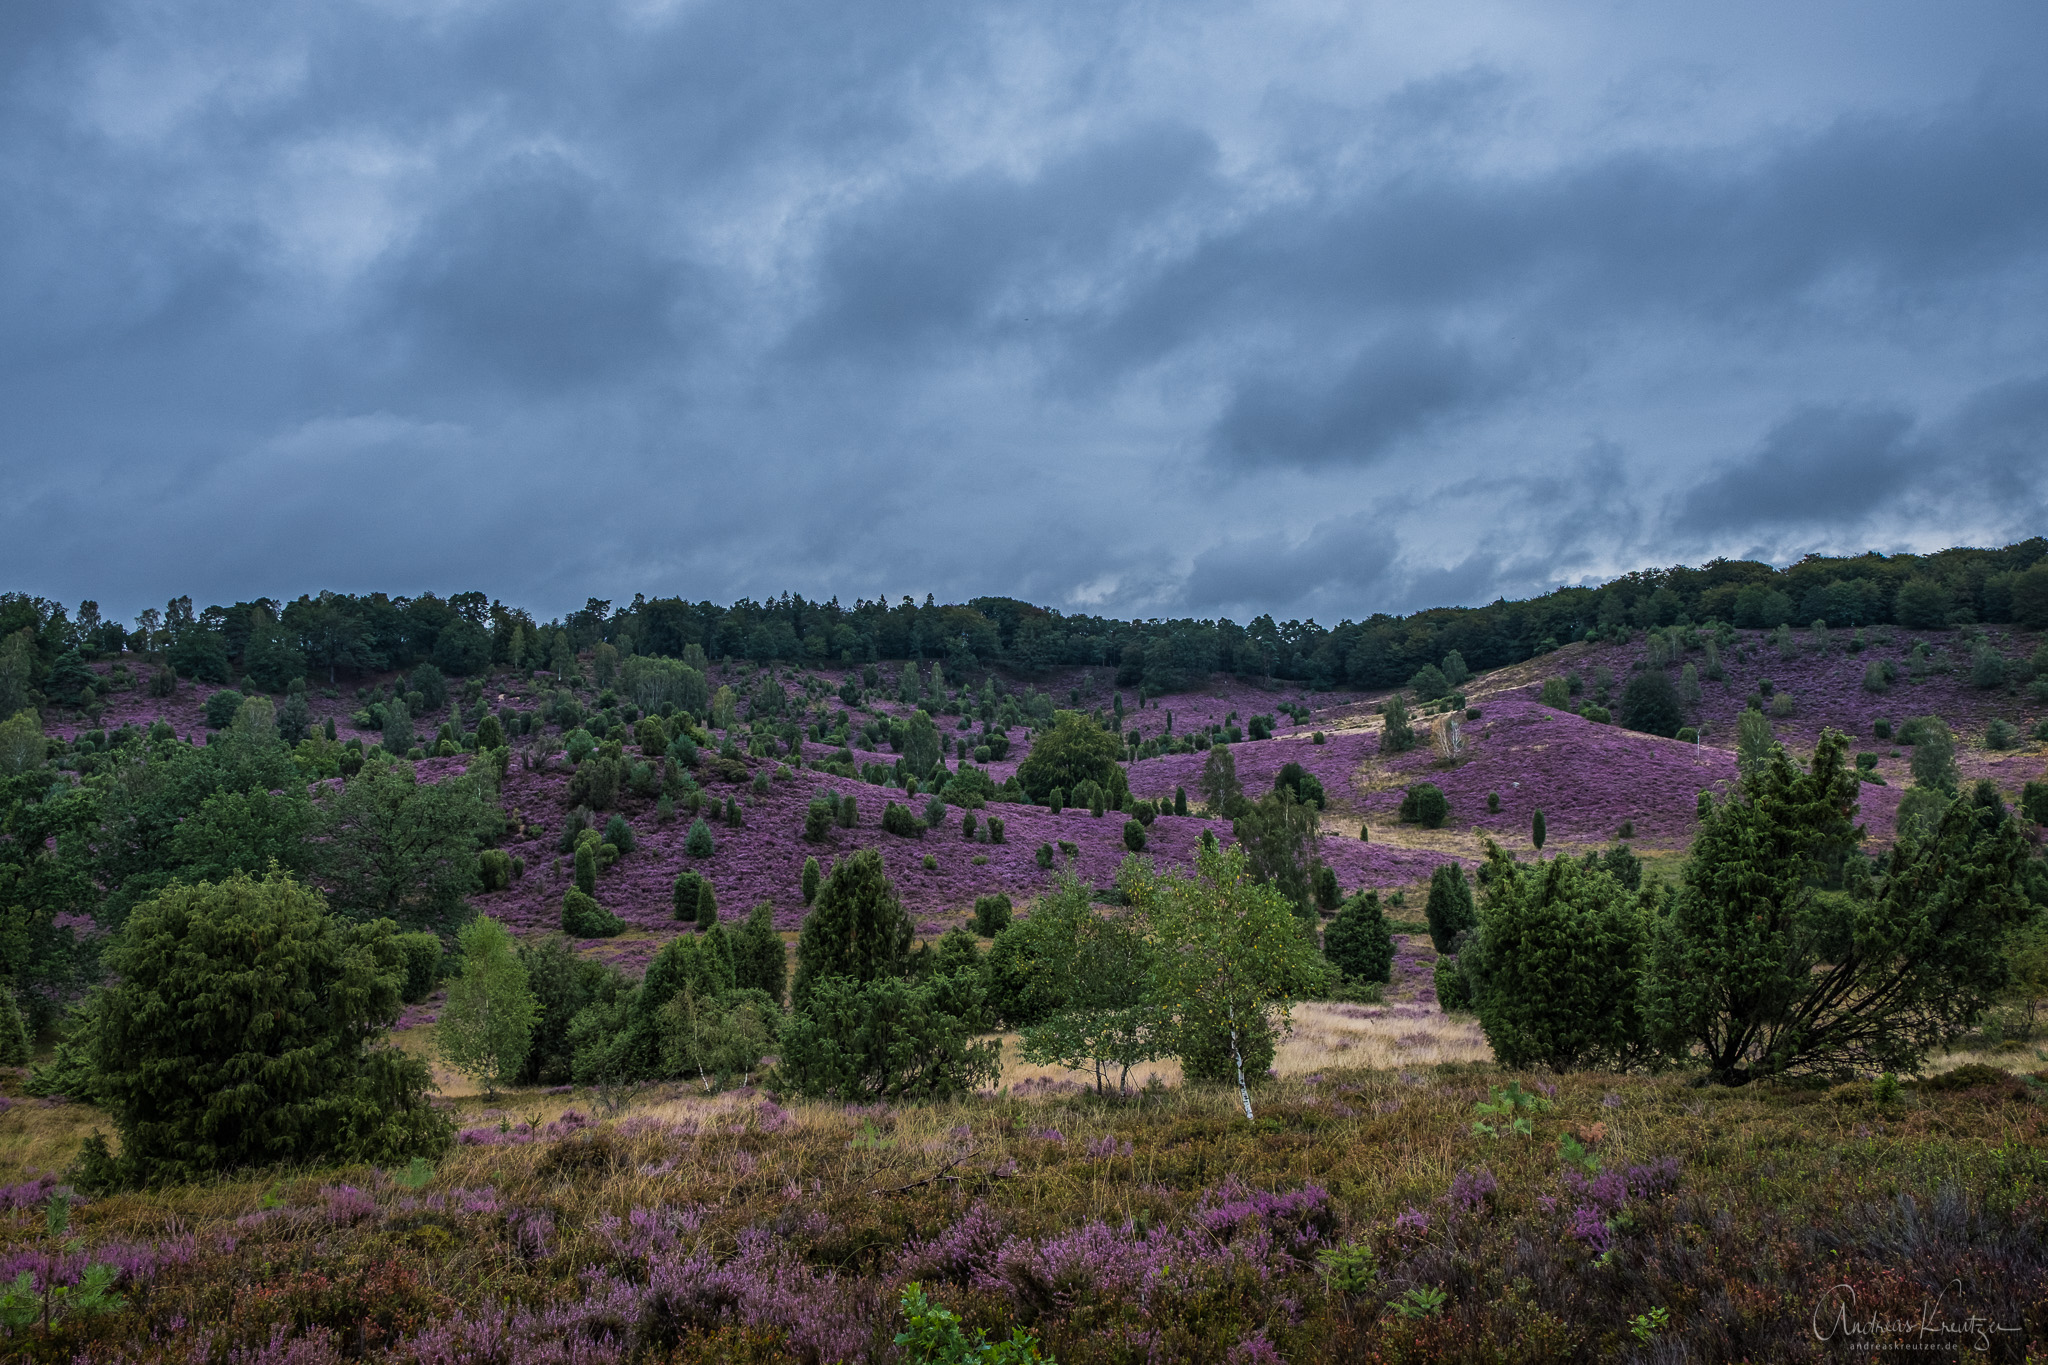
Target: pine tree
(1449, 911)
(1359, 942)
(237, 1030)
(857, 929)
(811, 878)
(1536, 831)
(760, 961)
(707, 907)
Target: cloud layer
(1139, 310)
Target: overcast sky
(1146, 309)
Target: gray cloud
(1247, 310)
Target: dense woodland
(337, 635)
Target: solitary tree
(857, 929)
(1219, 785)
(238, 1030)
(487, 1026)
(1758, 971)
(1227, 952)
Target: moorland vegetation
(807, 981)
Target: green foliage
(2034, 802)
(1554, 966)
(683, 895)
(759, 960)
(22, 746)
(699, 843)
(1754, 744)
(1537, 830)
(432, 686)
(619, 834)
(810, 880)
(486, 1028)
(1397, 735)
(1134, 836)
(857, 930)
(494, 869)
(236, 1030)
(1280, 837)
(1449, 911)
(1091, 972)
(1650, 704)
(707, 906)
(1073, 751)
(1227, 950)
(922, 748)
(583, 917)
(1757, 970)
(1508, 1110)
(563, 984)
(1219, 787)
(14, 1042)
(586, 866)
(1429, 683)
(886, 1038)
(899, 821)
(932, 1335)
(992, 913)
(1934, 755)
(222, 706)
(1306, 786)
(421, 954)
(23, 1305)
(388, 845)
(1359, 943)
(1423, 803)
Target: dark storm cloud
(1236, 309)
(1818, 463)
(540, 275)
(1349, 555)
(1398, 387)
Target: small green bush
(1493, 803)
(2001, 733)
(699, 843)
(494, 869)
(1044, 856)
(992, 913)
(684, 893)
(583, 917)
(619, 834)
(1425, 804)
(1134, 836)
(899, 821)
(221, 708)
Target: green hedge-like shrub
(583, 917)
(1425, 804)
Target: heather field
(1409, 1189)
